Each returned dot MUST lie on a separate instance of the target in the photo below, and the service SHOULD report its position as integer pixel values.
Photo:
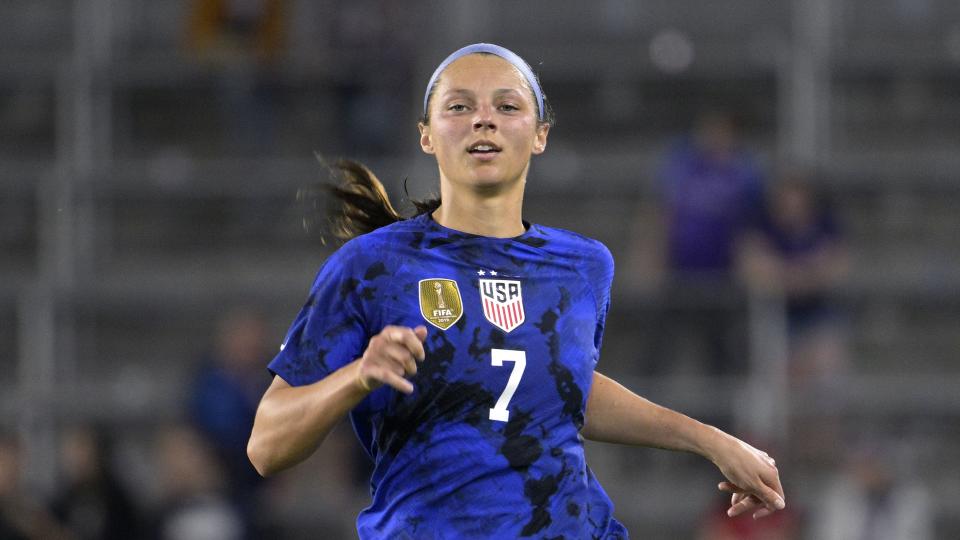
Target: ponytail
(359, 202)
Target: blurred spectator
(710, 191)
(797, 251)
(241, 42)
(21, 518)
(93, 504)
(873, 500)
(194, 505)
(225, 394)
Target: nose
(484, 118)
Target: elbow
(259, 458)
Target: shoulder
(574, 243)
(589, 255)
(375, 246)
(384, 235)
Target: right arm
(292, 421)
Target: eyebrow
(471, 93)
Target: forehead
(481, 71)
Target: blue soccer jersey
(488, 444)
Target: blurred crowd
(720, 228)
(203, 488)
(724, 233)
(240, 45)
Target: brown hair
(357, 203)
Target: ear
(425, 143)
(540, 141)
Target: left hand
(752, 479)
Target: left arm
(615, 414)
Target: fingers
(763, 495)
(765, 499)
(746, 504)
(409, 338)
(772, 479)
(421, 332)
(741, 502)
(400, 355)
(730, 487)
(392, 355)
(750, 505)
(763, 512)
(773, 500)
(736, 499)
(397, 382)
(770, 490)
(752, 479)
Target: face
(793, 204)
(242, 341)
(716, 135)
(79, 454)
(483, 124)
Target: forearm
(292, 421)
(617, 415)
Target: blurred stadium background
(150, 160)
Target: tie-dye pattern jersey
(488, 444)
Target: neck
(495, 213)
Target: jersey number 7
(499, 411)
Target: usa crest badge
(502, 303)
(440, 302)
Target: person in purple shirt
(710, 192)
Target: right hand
(392, 355)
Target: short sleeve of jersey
(331, 329)
(599, 269)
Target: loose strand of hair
(364, 205)
(421, 206)
(356, 204)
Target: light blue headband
(502, 52)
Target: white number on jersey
(499, 411)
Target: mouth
(483, 148)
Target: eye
(457, 107)
(509, 107)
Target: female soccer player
(474, 425)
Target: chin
(490, 182)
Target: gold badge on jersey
(440, 302)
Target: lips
(483, 148)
